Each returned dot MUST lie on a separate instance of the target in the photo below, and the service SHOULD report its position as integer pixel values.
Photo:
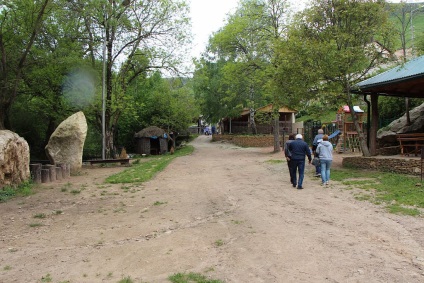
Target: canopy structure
(406, 80)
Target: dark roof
(406, 80)
(148, 132)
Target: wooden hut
(151, 140)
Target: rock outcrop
(14, 159)
(387, 136)
(66, 144)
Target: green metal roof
(404, 80)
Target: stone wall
(411, 166)
(246, 140)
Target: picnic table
(411, 143)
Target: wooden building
(241, 124)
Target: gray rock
(388, 135)
(66, 144)
(14, 159)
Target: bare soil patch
(224, 211)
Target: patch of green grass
(7, 267)
(46, 278)
(9, 192)
(396, 209)
(191, 278)
(35, 224)
(75, 192)
(363, 197)
(135, 162)
(219, 243)
(147, 170)
(388, 188)
(40, 215)
(159, 203)
(65, 187)
(126, 280)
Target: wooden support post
(45, 175)
(35, 170)
(68, 170)
(52, 171)
(63, 167)
(58, 173)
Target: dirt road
(224, 211)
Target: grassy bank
(401, 194)
(144, 170)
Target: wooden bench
(411, 143)
(123, 161)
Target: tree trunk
(252, 121)
(3, 116)
(276, 135)
(362, 140)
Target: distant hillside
(417, 22)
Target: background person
(299, 149)
(325, 153)
(287, 154)
(314, 148)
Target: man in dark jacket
(287, 154)
(299, 149)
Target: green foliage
(391, 108)
(62, 71)
(402, 15)
(191, 278)
(398, 192)
(237, 74)
(9, 192)
(126, 280)
(155, 101)
(146, 170)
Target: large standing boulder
(14, 159)
(387, 136)
(67, 142)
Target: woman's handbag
(315, 161)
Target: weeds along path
(224, 211)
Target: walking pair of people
(295, 151)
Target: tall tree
(136, 37)
(241, 43)
(349, 38)
(402, 13)
(276, 18)
(211, 90)
(20, 24)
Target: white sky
(209, 15)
